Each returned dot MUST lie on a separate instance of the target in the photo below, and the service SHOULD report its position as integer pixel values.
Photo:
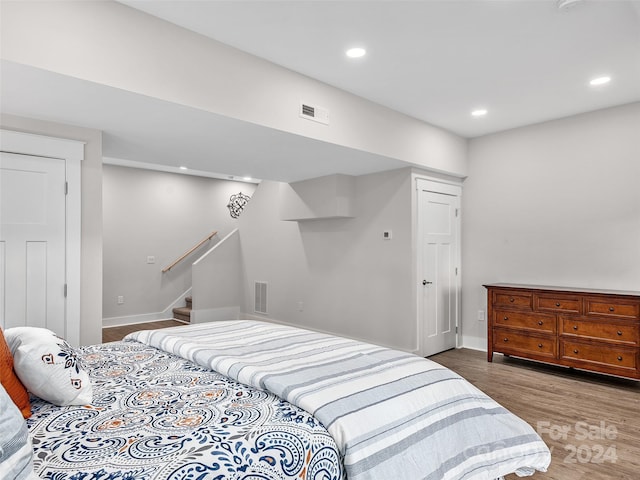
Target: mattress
(390, 412)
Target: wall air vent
(260, 298)
(315, 113)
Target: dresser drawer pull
(557, 304)
(539, 345)
(619, 358)
(512, 299)
(575, 350)
(575, 327)
(506, 339)
(540, 322)
(506, 318)
(611, 309)
(619, 333)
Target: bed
(244, 399)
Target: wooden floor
(113, 334)
(590, 422)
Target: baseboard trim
(474, 343)
(471, 347)
(134, 319)
(166, 314)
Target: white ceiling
(141, 129)
(525, 61)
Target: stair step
(182, 313)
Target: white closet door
(32, 242)
(438, 295)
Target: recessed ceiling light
(480, 112)
(600, 81)
(184, 168)
(356, 52)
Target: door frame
(448, 186)
(72, 152)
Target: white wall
(554, 204)
(112, 44)
(149, 213)
(91, 216)
(218, 282)
(350, 281)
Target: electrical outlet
(481, 315)
(120, 299)
(387, 234)
(151, 259)
(300, 306)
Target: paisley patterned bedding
(157, 416)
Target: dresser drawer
(513, 299)
(614, 308)
(558, 303)
(509, 342)
(524, 320)
(625, 333)
(618, 357)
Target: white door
(438, 270)
(32, 242)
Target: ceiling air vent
(260, 299)
(315, 113)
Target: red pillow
(10, 381)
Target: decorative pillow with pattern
(48, 366)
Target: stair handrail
(190, 251)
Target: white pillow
(48, 366)
(16, 452)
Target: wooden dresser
(597, 330)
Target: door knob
(424, 282)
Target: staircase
(183, 313)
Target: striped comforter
(392, 414)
